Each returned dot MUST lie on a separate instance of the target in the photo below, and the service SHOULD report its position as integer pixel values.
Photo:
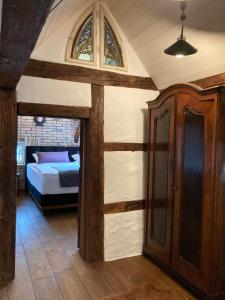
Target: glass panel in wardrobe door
(160, 177)
(193, 172)
(159, 200)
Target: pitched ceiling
(152, 25)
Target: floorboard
(3, 294)
(47, 289)
(49, 267)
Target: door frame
(91, 204)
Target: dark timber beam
(8, 135)
(45, 69)
(92, 210)
(125, 206)
(51, 110)
(125, 147)
(210, 81)
(22, 22)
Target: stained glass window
(83, 43)
(112, 49)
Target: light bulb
(179, 55)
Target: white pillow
(35, 156)
(76, 157)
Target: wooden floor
(48, 266)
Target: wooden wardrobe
(185, 206)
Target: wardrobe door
(194, 179)
(160, 181)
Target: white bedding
(46, 179)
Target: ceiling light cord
(183, 17)
(181, 47)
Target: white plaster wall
(124, 234)
(125, 114)
(41, 90)
(124, 176)
(125, 121)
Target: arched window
(83, 41)
(112, 49)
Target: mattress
(46, 179)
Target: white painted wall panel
(125, 114)
(124, 234)
(125, 171)
(124, 176)
(41, 90)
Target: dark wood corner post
(92, 247)
(8, 136)
(22, 22)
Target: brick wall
(55, 132)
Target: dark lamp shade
(180, 48)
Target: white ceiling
(152, 25)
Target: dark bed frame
(54, 201)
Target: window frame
(21, 163)
(99, 13)
(104, 14)
(91, 10)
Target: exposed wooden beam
(45, 69)
(125, 206)
(210, 81)
(22, 22)
(125, 147)
(8, 131)
(92, 206)
(51, 110)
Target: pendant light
(181, 47)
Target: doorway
(92, 165)
(48, 160)
(90, 204)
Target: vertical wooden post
(8, 135)
(92, 215)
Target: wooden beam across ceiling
(210, 81)
(22, 22)
(46, 69)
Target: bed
(43, 180)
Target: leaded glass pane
(112, 52)
(83, 43)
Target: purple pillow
(53, 157)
